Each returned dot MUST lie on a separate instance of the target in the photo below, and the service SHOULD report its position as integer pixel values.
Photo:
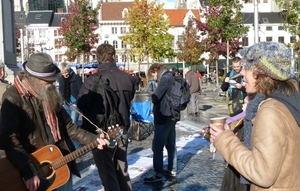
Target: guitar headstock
(115, 131)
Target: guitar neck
(75, 154)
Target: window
(245, 41)
(30, 34)
(265, 1)
(269, 38)
(180, 38)
(124, 12)
(123, 58)
(132, 58)
(106, 42)
(280, 28)
(116, 58)
(43, 33)
(58, 43)
(57, 32)
(281, 39)
(115, 44)
(173, 43)
(123, 45)
(292, 39)
(172, 59)
(123, 30)
(113, 30)
(58, 57)
(269, 28)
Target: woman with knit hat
(269, 157)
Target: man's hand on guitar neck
(102, 141)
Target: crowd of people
(261, 148)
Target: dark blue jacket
(75, 85)
(161, 108)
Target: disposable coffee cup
(218, 122)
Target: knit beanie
(269, 58)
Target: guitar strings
(99, 130)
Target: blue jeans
(74, 115)
(164, 135)
(151, 85)
(68, 186)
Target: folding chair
(141, 115)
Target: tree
(148, 35)
(291, 14)
(189, 46)
(78, 28)
(221, 23)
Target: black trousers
(113, 167)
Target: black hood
(291, 102)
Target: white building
(41, 34)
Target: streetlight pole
(255, 21)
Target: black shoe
(154, 178)
(196, 114)
(169, 173)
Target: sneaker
(169, 173)
(154, 178)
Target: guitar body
(50, 178)
(52, 166)
(11, 179)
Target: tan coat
(273, 163)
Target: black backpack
(102, 105)
(179, 95)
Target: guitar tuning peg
(113, 126)
(117, 125)
(109, 127)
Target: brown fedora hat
(40, 65)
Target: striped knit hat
(269, 58)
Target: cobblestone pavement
(196, 172)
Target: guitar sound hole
(45, 170)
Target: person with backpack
(165, 118)
(192, 80)
(105, 100)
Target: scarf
(26, 90)
(251, 111)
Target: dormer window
(38, 16)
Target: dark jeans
(164, 135)
(113, 167)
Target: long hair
(266, 85)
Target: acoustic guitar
(52, 166)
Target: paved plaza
(198, 168)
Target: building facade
(41, 34)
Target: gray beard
(49, 95)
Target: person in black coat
(111, 162)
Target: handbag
(235, 105)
